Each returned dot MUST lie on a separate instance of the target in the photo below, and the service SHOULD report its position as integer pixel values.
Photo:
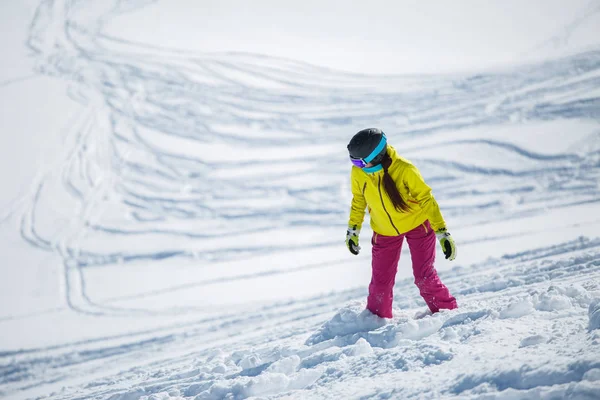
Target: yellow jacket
(368, 191)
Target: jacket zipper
(383, 204)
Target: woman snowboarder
(400, 205)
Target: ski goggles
(362, 162)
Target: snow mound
(349, 320)
(353, 324)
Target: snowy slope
(173, 220)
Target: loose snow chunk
(250, 361)
(162, 396)
(436, 356)
(579, 295)
(361, 347)
(533, 340)
(347, 321)
(132, 394)
(594, 314)
(554, 299)
(517, 309)
(265, 384)
(286, 366)
(304, 378)
(465, 317)
(593, 375)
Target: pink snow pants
(386, 254)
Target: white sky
(378, 36)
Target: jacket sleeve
(421, 192)
(358, 205)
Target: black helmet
(369, 145)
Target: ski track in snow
(135, 173)
(138, 184)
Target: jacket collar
(373, 169)
(377, 168)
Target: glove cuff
(353, 229)
(442, 233)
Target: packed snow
(176, 193)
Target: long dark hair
(390, 186)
